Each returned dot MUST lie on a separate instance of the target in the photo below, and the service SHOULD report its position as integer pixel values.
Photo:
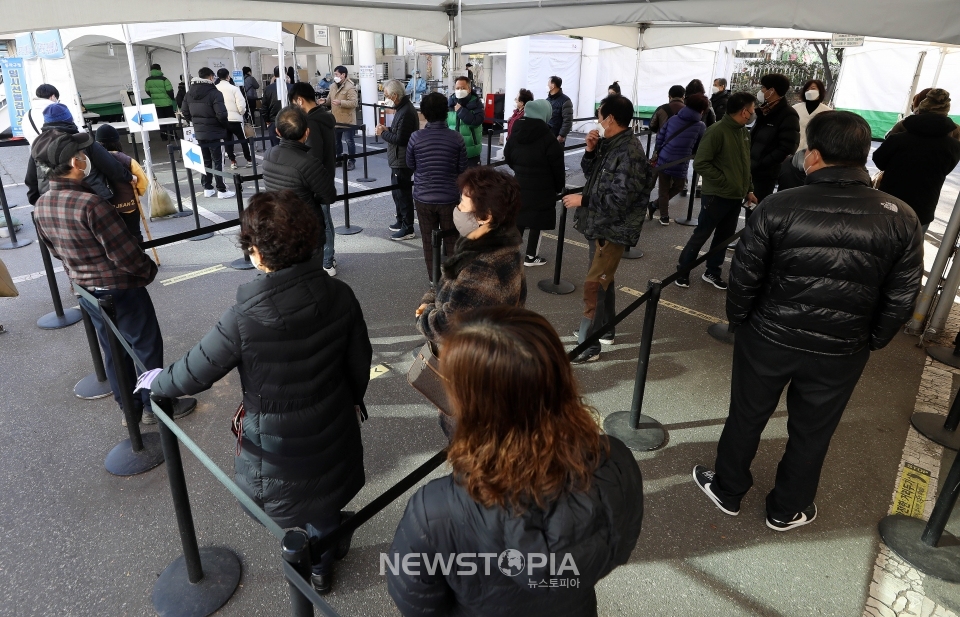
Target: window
(346, 46)
(386, 44)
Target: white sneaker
(332, 271)
(225, 194)
(233, 165)
(209, 192)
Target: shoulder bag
(426, 379)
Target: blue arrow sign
(193, 156)
(138, 119)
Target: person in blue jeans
(723, 161)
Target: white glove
(146, 379)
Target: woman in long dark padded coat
(299, 341)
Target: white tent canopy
(658, 35)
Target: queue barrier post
(489, 145)
(637, 431)
(96, 385)
(366, 176)
(171, 148)
(196, 212)
(253, 162)
(244, 262)
(690, 221)
(14, 243)
(139, 453)
(947, 355)
(938, 429)
(199, 581)
(436, 242)
(295, 548)
(556, 285)
(926, 545)
(58, 318)
(346, 229)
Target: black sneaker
(396, 227)
(322, 583)
(587, 356)
(704, 479)
(808, 515)
(684, 193)
(715, 280)
(682, 281)
(534, 261)
(403, 234)
(664, 220)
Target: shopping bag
(160, 203)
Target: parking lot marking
(193, 275)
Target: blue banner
(15, 83)
(238, 79)
(25, 46)
(47, 44)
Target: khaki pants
(598, 289)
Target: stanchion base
(175, 596)
(632, 253)
(649, 434)
(201, 237)
(561, 289)
(930, 425)
(365, 179)
(241, 264)
(902, 534)
(721, 332)
(343, 230)
(687, 222)
(4, 246)
(944, 355)
(52, 321)
(123, 461)
(89, 388)
(178, 214)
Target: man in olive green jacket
(723, 161)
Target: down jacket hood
(929, 125)
(527, 130)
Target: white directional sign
(192, 157)
(146, 117)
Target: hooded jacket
(300, 344)
(677, 139)
(468, 121)
(536, 158)
(233, 100)
(437, 156)
(828, 268)
(774, 137)
(203, 105)
(723, 160)
(159, 89)
(322, 145)
(289, 165)
(405, 123)
(916, 162)
(32, 121)
(595, 531)
(250, 86)
(617, 191)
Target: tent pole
(73, 80)
(144, 133)
(936, 76)
(282, 79)
(913, 84)
(185, 61)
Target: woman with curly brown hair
(298, 339)
(536, 489)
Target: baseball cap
(56, 148)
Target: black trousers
(718, 217)
(533, 241)
(819, 388)
(435, 216)
(236, 132)
(212, 159)
(403, 197)
(763, 187)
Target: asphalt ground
(78, 541)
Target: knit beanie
(107, 134)
(58, 112)
(541, 109)
(936, 102)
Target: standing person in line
(610, 212)
(536, 159)
(437, 156)
(914, 110)
(696, 87)
(160, 91)
(561, 119)
(613, 88)
(668, 109)
(677, 140)
(465, 115)
(271, 105)
(343, 103)
(469, 68)
(204, 106)
(32, 122)
(250, 87)
(917, 161)
(99, 254)
(802, 324)
(811, 94)
(320, 124)
(578, 499)
(405, 123)
(236, 105)
(125, 194)
(720, 96)
(291, 76)
(524, 97)
(299, 342)
(723, 161)
(775, 135)
(181, 93)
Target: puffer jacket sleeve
(471, 114)
(217, 353)
(32, 182)
(422, 594)
(900, 288)
(885, 153)
(312, 171)
(566, 113)
(749, 268)
(359, 353)
(108, 165)
(219, 107)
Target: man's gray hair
(393, 88)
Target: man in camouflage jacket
(610, 211)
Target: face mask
(811, 95)
(461, 94)
(388, 102)
(338, 79)
(87, 168)
(716, 89)
(465, 222)
(601, 130)
(760, 97)
(805, 162)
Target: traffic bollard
(96, 385)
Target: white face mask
(338, 79)
(465, 222)
(461, 94)
(388, 102)
(805, 162)
(716, 89)
(87, 166)
(811, 95)
(760, 97)
(602, 131)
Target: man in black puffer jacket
(405, 123)
(204, 106)
(823, 275)
(291, 166)
(775, 135)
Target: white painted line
(566, 241)
(192, 275)
(6, 186)
(355, 185)
(677, 307)
(210, 216)
(34, 275)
